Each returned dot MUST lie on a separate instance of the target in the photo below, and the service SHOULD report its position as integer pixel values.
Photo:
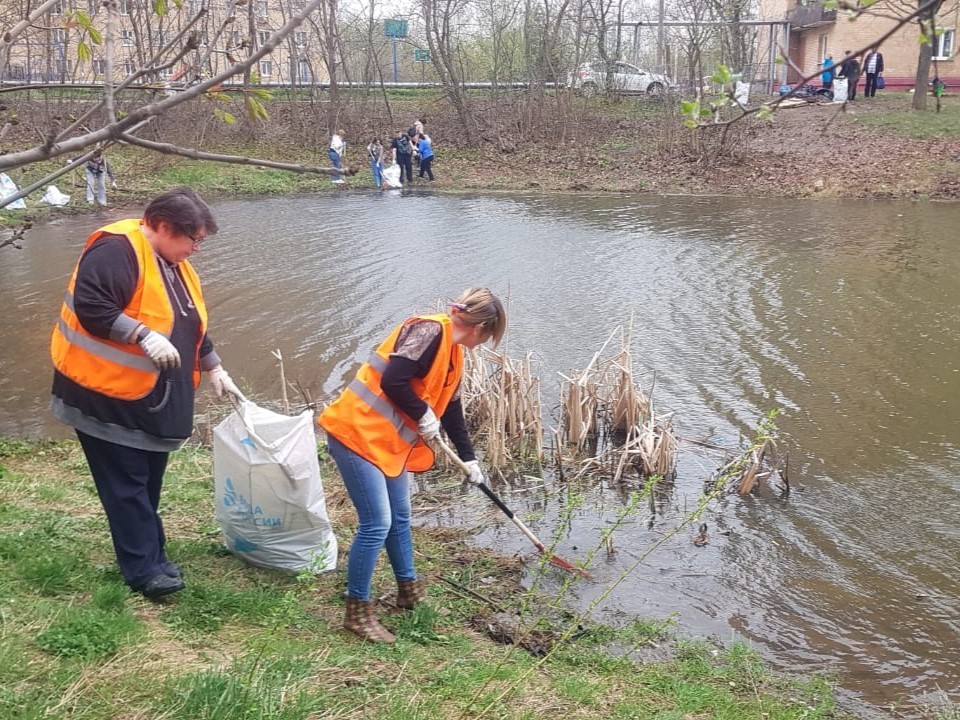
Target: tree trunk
(927, 26)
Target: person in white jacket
(337, 148)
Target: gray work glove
(160, 350)
(429, 426)
(474, 473)
(222, 382)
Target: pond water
(843, 314)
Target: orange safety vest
(122, 370)
(365, 420)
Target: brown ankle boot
(410, 593)
(359, 618)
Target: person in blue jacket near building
(425, 148)
(827, 75)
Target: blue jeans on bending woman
(383, 510)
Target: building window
(64, 67)
(126, 38)
(266, 68)
(823, 46)
(166, 72)
(262, 10)
(57, 8)
(129, 67)
(124, 6)
(59, 36)
(99, 67)
(235, 38)
(263, 37)
(92, 7)
(304, 71)
(943, 45)
(300, 38)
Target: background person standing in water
(97, 170)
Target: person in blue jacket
(425, 148)
(827, 75)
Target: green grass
(242, 643)
(919, 124)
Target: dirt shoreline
(808, 151)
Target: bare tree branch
(194, 154)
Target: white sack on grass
(741, 92)
(7, 188)
(391, 176)
(840, 90)
(53, 196)
(268, 492)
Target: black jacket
(866, 62)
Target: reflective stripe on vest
(380, 404)
(117, 369)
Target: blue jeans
(383, 511)
(377, 169)
(335, 159)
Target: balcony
(810, 14)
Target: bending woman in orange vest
(128, 350)
(376, 431)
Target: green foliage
(88, 633)
(205, 608)
(49, 575)
(419, 625)
(262, 689)
(919, 124)
(13, 447)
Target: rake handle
(448, 451)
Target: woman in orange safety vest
(128, 350)
(376, 429)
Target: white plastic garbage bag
(391, 176)
(840, 90)
(741, 92)
(268, 492)
(7, 188)
(53, 196)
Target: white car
(591, 78)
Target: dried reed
(501, 400)
(605, 413)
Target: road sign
(395, 28)
(421, 55)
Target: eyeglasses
(196, 241)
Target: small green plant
(88, 633)
(50, 575)
(419, 625)
(263, 689)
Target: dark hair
(184, 210)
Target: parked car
(591, 78)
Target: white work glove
(474, 473)
(429, 426)
(222, 382)
(164, 355)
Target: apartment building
(52, 50)
(816, 32)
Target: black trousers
(425, 166)
(405, 161)
(852, 87)
(129, 482)
(870, 88)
